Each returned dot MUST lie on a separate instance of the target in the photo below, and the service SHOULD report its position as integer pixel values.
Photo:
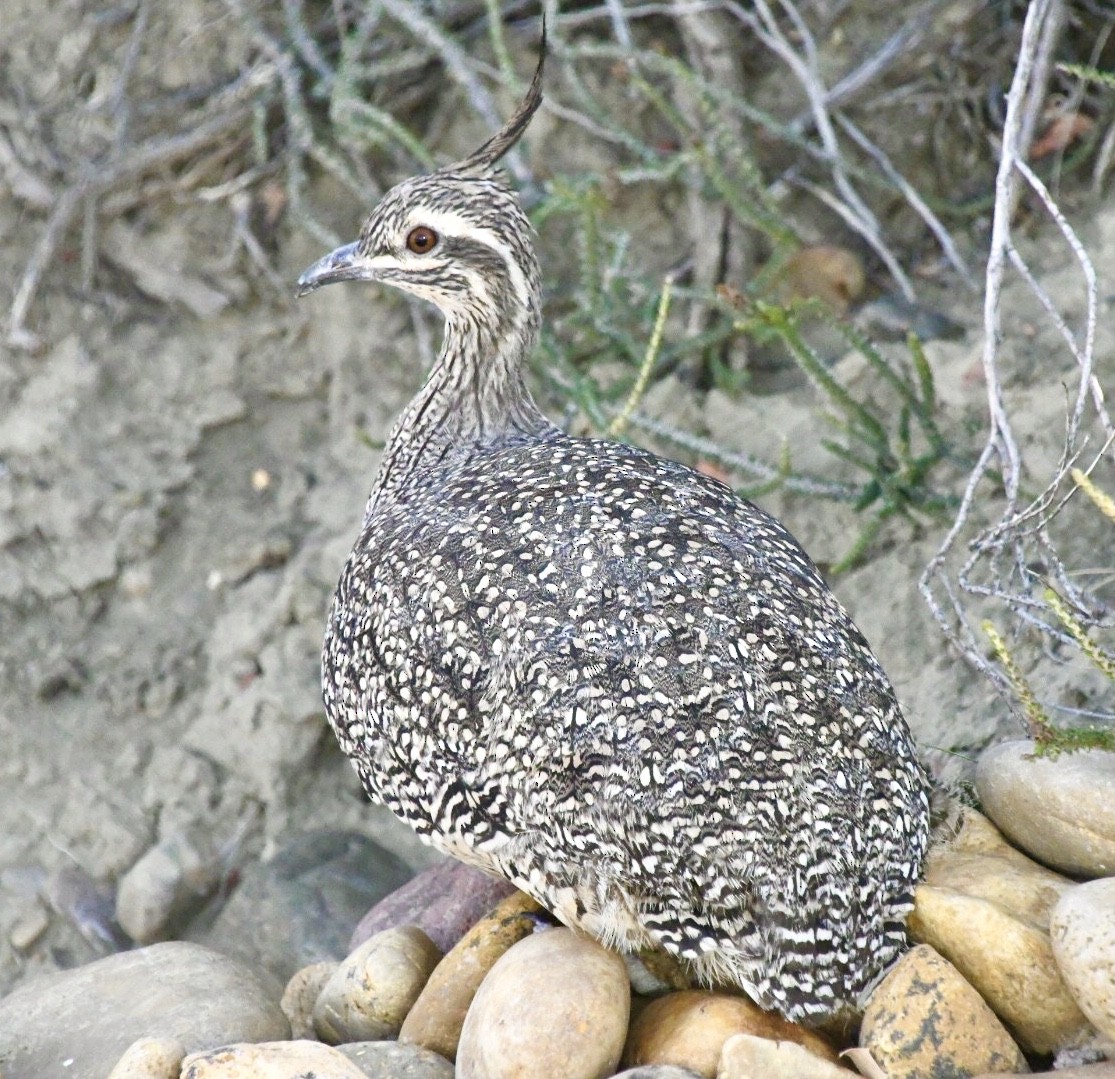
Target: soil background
(181, 480)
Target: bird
(597, 672)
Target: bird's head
(457, 237)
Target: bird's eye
(421, 240)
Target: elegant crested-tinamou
(597, 672)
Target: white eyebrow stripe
(449, 223)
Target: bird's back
(607, 677)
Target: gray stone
(1059, 809)
(301, 906)
(173, 878)
(1082, 928)
(444, 901)
(390, 1060)
(79, 1023)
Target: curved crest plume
(482, 161)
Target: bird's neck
(474, 397)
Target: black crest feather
(481, 162)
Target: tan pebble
(438, 1014)
(1061, 810)
(300, 996)
(746, 1056)
(924, 1019)
(28, 928)
(985, 907)
(1083, 930)
(261, 479)
(689, 1029)
(555, 1004)
(371, 991)
(271, 1060)
(150, 1058)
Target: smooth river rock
(1059, 809)
(444, 901)
(150, 1058)
(689, 1029)
(985, 907)
(170, 881)
(924, 1019)
(300, 996)
(746, 1056)
(91, 1015)
(439, 1013)
(1083, 930)
(271, 1060)
(555, 1004)
(390, 1060)
(369, 994)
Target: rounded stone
(746, 1056)
(301, 995)
(271, 1060)
(150, 1058)
(369, 994)
(924, 1019)
(1059, 809)
(170, 880)
(1082, 927)
(985, 907)
(444, 901)
(556, 1003)
(438, 1014)
(90, 1016)
(656, 1071)
(689, 1029)
(390, 1060)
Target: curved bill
(344, 264)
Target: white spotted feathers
(597, 672)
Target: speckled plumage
(599, 673)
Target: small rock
(90, 1015)
(653, 972)
(390, 1060)
(172, 879)
(985, 907)
(444, 901)
(300, 907)
(438, 1014)
(30, 925)
(1061, 810)
(555, 1004)
(301, 995)
(689, 1029)
(369, 994)
(924, 1019)
(1082, 927)
(656, 1071)
(746, 1056)
(150, 1058)
(271, 1060)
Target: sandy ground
(178, 493)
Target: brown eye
(421, 240)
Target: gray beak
(344, 264)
